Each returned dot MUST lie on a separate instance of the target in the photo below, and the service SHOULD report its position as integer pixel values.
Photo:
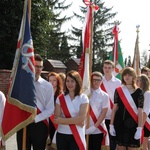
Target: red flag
(136, 58)
(20, 107)
(84, 61)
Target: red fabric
(103, 88)
(99, 127)
(52, 119)
(45, 121)
(18, 117)
(115, 32)
(72, 127)
(86, 44)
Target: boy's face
(108, 69)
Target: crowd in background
(114, 116)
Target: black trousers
(66, 142)
(95, 141)
(51, 130)
(36, 136)
(111, 138)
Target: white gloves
(112, 130)
(90, 130)
(138, 133)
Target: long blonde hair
(145, 83)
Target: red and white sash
(104, 89)
(147, 123)
(52, 119)
(129, 104)
(79, 137)
(45, 121)
(101, 127)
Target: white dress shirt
(110, 87)
(44, 99)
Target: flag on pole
(136, 58)
(84, 61)
(20, 108)
(116, 55)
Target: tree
(102, 33)
(127, 62)
(46, 22)
(10, 16)
(46, 31)
(144, 58)
(65, 53)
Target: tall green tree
(47, 34)
(102, 33)
(46, 22)
(10, 16)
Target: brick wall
(4, 80)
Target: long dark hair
(75, 76)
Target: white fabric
(45, 99)
(2, 105)
(146, 107)
(90, 130)
(110, 87)
(74, 108)
(138, 133)
(112, 130)
(130, 99)
(99, 100)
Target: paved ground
(11, 143)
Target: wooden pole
(25, 128)
(29, 10)
(90, 71)
(24, 138)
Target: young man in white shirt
(109, 84)
(99, 103)
(37, 132)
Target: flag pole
(90, 70)
(25, 128)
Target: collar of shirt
(39, 80)
(96, 91)
(112, 79)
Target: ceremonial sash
(73, 127)
(100, 127)
(104, 89)
(52, 119)
(147, 123)
(45, 121)
(129, 104)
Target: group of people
(115, 114)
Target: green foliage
(102, 34)
(10, 16)
(46, 22)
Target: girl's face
(128, 79)
(70, 84)
(138, 81)
(53, 81)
